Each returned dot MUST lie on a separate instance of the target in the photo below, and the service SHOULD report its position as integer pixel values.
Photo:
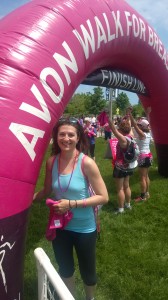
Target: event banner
(116, 79)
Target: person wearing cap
(122, 170)
(142, 127)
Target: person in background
(98, 128)
(90, 132)
(122, 171)
(81, 120)
(142, 128)
(93, 120)
(101, 134)
(68, 175)
(107, 131)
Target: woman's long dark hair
(82, 145)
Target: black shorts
(118, 173)
(107, 135)
(92, 150)
(146, 162)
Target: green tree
(76, 105)
(114, 107)
(138, 111)
(95, 102)
(122, 102)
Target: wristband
(76, 205)
(70, 205)
(84, 203)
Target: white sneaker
(118, 212)
(128, 207)
(147, 195)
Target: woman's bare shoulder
(90, 165)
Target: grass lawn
(132, 253)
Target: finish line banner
(115, 79)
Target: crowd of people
(74, 182)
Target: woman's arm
(95, 179)
(134, 124)
(46, 191)
(121, 138)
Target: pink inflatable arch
(47, 48)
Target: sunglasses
(70, 120)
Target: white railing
(50, 284)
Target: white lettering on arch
(64, 62)
(117, 23)
(51, 72)
(129, 22)
(88, 38)
(101, 35)
(136, 27)
(142, 29)
(20, 130)
(42, 114)
(109, 35)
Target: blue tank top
(83, 218)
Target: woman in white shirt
(142, 127)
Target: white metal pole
(110, 102)
(44, 264)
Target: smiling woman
(68, 172)
(73, 123)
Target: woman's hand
(129, 110)
(36, 197)
(62, 206)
